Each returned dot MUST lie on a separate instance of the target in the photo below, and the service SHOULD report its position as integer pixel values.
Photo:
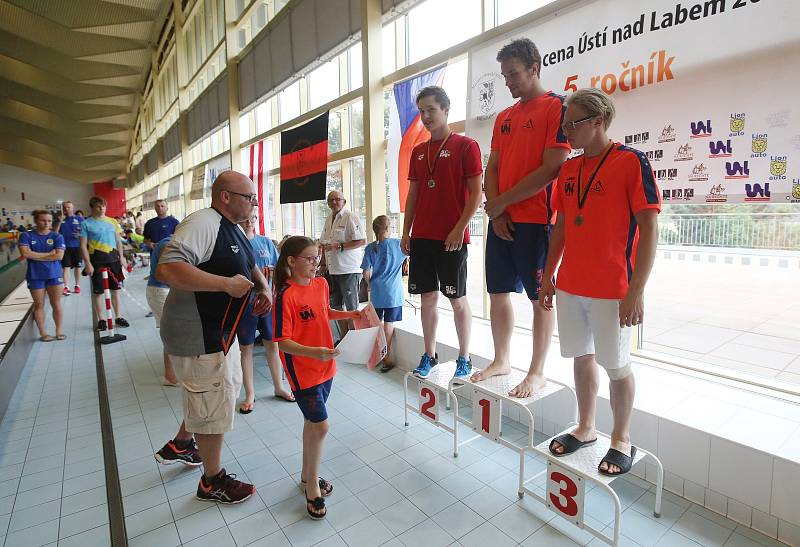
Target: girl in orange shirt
(301, 328)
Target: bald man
(343, 239)
(210, 268)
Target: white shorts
(211, 385)
(156, 296)
(589, 326)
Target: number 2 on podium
(429, 404)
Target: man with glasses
(607, 202)
(528, 148)
(211, 270)
(342, 240)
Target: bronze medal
(431, 183)
(585, 194)
(432, 168)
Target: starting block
(430, 391)
(566, 478)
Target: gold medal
(432, 167)
(431, 183)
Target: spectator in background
(139, 223)
(159, 227)
(70, 230)
(342, 240)
(156, 294)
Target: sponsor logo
(444, 154)
(528, 124)
(655, 155)
(235, 249)
(306, 313)
(737, 170)
(720, 149)
(569, 188)
(716, 194)
(449, 289)
(700, 129)
(505, 127)
(667, 134)
(421, 157)
(666, 174)
(756, 192)
(699, 173)
(777, 167)
(737, 124)
(671, 194)
(598, 187)
(684, 153)
(49, 240)
(759, 145)
(794, 196)
(637, 138)
(485, 89)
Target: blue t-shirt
(154, 256)
(385, 259)
(70, 230)
(157, 229)
(101, 237)
(266, 254)
(42, 269)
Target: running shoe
(77, 289)
(426, 364)
(101, 325)
(224, 488)
(463, 367)
(65, 292)
(170, 453)
(120, 322)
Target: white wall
(41, 192)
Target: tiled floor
(393, 485)
(51, 460)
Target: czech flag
(257, 176)
(304, 161)
(405, 132)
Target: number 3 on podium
(428, 403)
(486, 415)
(565, 493)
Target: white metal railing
(778, 231)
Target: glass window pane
(356, 124)
(323, 84)
(244, 127)
(263, 117)
(356, 74)
(453, 26)
(293, 220)
(358, 190)
(289, 102)
(320, 208)
(455, 84)
(270, 182)
(388, 48)
(511, 9)
(211, 30)
(335, 132)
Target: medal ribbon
(582, 199)
(432, 168)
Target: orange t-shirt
(522, 132)
(301, 314)
(599, 253)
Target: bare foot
(529, 386)
(582, 434)
(285, 395)
(625, 448)
(494, 369)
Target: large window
(323, 84)
(319, 208)
(452, 26)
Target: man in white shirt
(343, 239)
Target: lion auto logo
(737, 125)
(684, 153)
(777, 167)
(716, 194)
(794, 197)
(667, 134)
(720, 149)
(700, 129)
(699, 173)
(486, 93)
(737, 170)
(759, 145)
(756, 192)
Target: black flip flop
(570, 443)
(313, 508)
(615, 457)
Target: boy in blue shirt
(43, 250)
(383, 271)
(70, 230)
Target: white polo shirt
(343, 227)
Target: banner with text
(703, 88)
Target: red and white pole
(107, 295)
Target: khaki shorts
(156, 296)
(211, 385)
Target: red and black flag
(304, 161)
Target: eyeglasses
(312, 259)
(252, 198)
(335, 199)
(571, 126)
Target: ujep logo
(720, 149)
(757, 192)
(759, 145)
(700, 129)
(737, 124)
(737, 170)
(777, 167)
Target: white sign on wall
(706, 89)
